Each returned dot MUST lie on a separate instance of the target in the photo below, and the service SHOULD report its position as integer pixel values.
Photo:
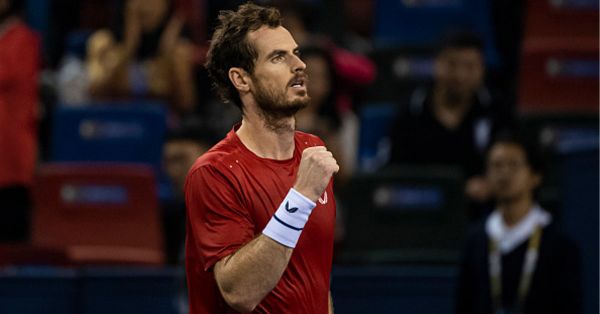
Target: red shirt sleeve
(218, 221)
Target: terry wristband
(288, 221)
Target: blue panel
(407, 198)
(390, 290)
(130, 290)
(580, 216)
(414, 22)
(117, 132)
(400, 21)
(38, 290)
(375, 123)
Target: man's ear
(240, 79)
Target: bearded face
(274, 103)
(278, 81)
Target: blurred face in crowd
(509, 174)
(150, 13)
(278, 82)
(178, 158)
(319, 85)
(459, 73)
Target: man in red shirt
(260, 203)
(19, 69)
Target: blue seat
(404, 214)
(375, 122)
(400, 70)
(418, 22)
(115, 132)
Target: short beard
(274, 108)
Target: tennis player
(260, 203)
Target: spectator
(19, 70)
(517, 261)
(452, 123)
(182, 147)
(146, 56)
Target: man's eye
(278, 58)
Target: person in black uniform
(453, 122)
(517, 261)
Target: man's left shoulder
(308, 140)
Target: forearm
(248, 275)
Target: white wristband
(288, 221)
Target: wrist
(307, 193)
(289, 219)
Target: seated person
(181, 149)
(517, 261)
(146, 56)
(452, 123)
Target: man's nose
(298, 65)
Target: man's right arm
(248, 275)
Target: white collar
(510, 237)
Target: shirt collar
(510, 237)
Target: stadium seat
(98, 213)
(559, 75)
(373, 144)
(563, 18)
(400, 70)
(120, 132)
(407, 214)
(26, 254)
(419, 22)
(558, 134)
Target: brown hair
(229, 46)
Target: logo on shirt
(323, 199)
(290, 210)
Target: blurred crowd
(132, 51)
(122, 52)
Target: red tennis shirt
(231, 195)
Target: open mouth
(298, 82)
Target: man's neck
(264, 141)
(515, 210)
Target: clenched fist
(316, 168)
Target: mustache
(299, 76)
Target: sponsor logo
(323, 199)
(290, 210)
